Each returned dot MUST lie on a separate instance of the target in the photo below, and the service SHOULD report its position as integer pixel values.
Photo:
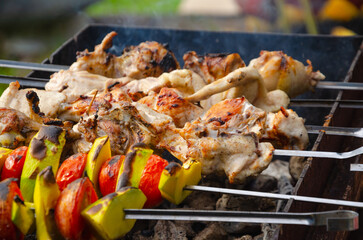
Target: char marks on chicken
(16, 129)
(212, 66)
(123, 125)
(148, 59)
(215, 110)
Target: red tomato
(71, 169)
(107, 179)
(149, 182)
(14, 163)
(71, 202)
(8, 190)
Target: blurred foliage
(3, 86)
(144, 7)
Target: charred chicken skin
(284, 129)
(16, 129)
(198, 112)
(212, 66)
(148, 59)
(171, 102)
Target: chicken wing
(280, 71)
(249, 84)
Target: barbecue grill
(340, 59)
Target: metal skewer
(340, 85)
(32, 66)
(341, 131)
(318, 154)
(55, 68)
(326, 103)
(356, 167)
(340, 220)
(274, 196)
(24, 81)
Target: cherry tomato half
(107, 179)
(150, 178)
(14, 163)
(71, 202)
(8, 190)
(71, 169)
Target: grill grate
(340, 59)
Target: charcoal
(140, 235)
(285, 187)
(188, 227)
(277, 169)
(213, 231)
(198, 226)
(245, 237)
(169, 230)
(269, 231)
(236, 228)
(241, 203)
(202, 200)
(263, 183)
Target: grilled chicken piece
(284, 129)
(280, 71)
(236, 116)
(249, 84)
(16, 129)
(76, 83)
(123, 125)
(184, 80)
(227, 138)
(170, 101)
(49, 102)
(94, 103)
(148, 59)
(235, 155)
(98, 62)
(212, 66)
